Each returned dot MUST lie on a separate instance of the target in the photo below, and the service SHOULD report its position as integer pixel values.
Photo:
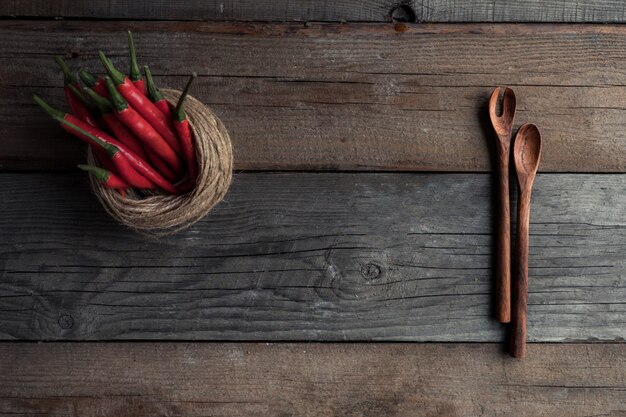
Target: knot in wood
(66, 321)
(402, 13)
(370, 271)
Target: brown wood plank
(311, 256)
(326, 10)
(348, 97)
(321, 380)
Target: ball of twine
(160, 214)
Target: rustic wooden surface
(311, 256)
(321, 380)
(327, 10)
(303, 256)
(347, 97)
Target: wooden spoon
(503, 127)
(526, 154)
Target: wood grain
(312, 256)
(326, 10)
(321, 380)
(565, 11)
(242, 10)
(346, 97)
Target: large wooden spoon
(503, 127)
(526, 154)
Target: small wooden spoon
(503, 127)
(526, 154)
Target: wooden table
(361, 211)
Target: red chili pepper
(128, 138)
(184, 132)
(69, 80)
(135, 73)
(121, 132)
(123, 165)
(135, 171)
(155, 95)
(140, 127)
(82, 130)
(108, 179)
(141, 104)
(148, 172)
(115, 125)
(57, 114)
(100, 139)
(162, 167)
(97, 84)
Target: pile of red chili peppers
(137, 139)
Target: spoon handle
(503, 255)
(520, 282)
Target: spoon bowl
(527, 152)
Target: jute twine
(160, 214)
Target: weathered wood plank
(565, 11)
(311, 257)
(349, 97)
(246, 10)
(601, 11)
(321, 380)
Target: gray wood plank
(310, 380)
(558, 11)
(246, 10)
(342, 97)
(600, 11)
(305, 256)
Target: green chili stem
(108, 148)
(54, 113)
(135, 73)
(119, 103)
(88, 78)
(100, 173)
(154, 93)
(101, 103)
(83, 98)
(116, 76)
(179, 112)
(68, 77)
